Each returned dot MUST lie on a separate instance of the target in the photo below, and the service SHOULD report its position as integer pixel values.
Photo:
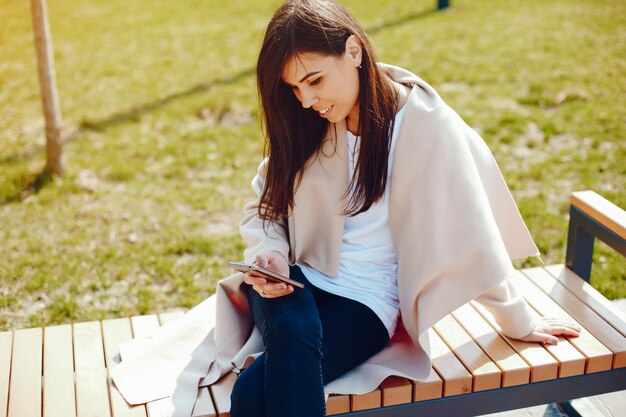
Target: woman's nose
(308, 99)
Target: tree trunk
(48, 87)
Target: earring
(360, 66)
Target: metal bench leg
(579, 244)
(580, 238)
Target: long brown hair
(294, 134)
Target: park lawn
(163, 135)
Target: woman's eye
(316, 81)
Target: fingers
(272, 261)
(563, 331)
(547, 339)
(267, 289)
(254, 280)
(557, 327)
(262, 261)
(548, 329)
(273, 290)
(541, 337)
(553, 320)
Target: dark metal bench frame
(580, 239)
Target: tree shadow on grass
(400, 21)
(136, 112)
(37, 181)
(31, 184)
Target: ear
(354, 50)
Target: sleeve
(509, 310)
(259, 237)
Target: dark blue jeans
(311, 337)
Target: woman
(375, 195)
(330, 111)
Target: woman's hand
(267, 288)
(547, 330)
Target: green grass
(160, 104)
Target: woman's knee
(294, 332)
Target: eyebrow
(310, 74)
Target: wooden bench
(64, 370)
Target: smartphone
(264, 273)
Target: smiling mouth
(324, 112)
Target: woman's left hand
(547, 330)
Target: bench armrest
(592, 216)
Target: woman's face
(327, 84)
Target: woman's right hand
(266, 288)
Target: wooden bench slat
(570, 361)
(92, 394)
(603, 331)
(590, 296)
(367, 401)
(59, 398)
(396, 390)
(543, 366)
(116, 332)
(514, 370)
(220, 391)
(486, 375)
(204, 404)
(602, 210)
(337, 404)
(170, 316)
(88, 347)
(463, 350)
(6, 346)
(598, 357)
(25, 390)
(144, 326)
(158, 407)
(428, 389)
(456, 379)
